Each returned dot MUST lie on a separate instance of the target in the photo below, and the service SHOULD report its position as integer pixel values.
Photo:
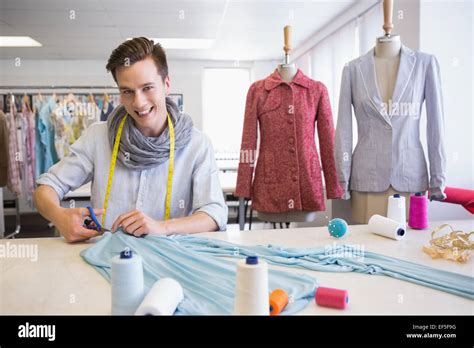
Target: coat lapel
(367, 70)
(405, 70)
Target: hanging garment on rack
(64, 120)
(46, 154)
(389, 151)
(26, 119)
(288, 173)
(106, 110)
(92, 113)
(14, 175)
(4, 151)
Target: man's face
(142, 93)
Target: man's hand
(137, 223)
(69, 222)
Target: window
(224, 96)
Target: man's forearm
(47, 202)
(198, 222)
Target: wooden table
(61, 282)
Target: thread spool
(333, 298)
(278, 301)
(418, 215)
(162, 299)
(397, 208)
(251, 287)
(337, 228)
(386, 227)
(127, 283)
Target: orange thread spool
(278, 301)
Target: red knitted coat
(287, 172)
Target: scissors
(93, 219)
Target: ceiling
(91, 29)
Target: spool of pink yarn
(418, 217)
(334, 298)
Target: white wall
(446, 30)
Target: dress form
(387, 61)
(287, 72)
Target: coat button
(291, 140)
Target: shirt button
(295, 178)
(291, 140)
(290, 121)
(292, 150)
(293, 169)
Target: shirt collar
(275, 80)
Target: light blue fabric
(334, 258)
(46, 155)
(208, 281)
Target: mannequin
(387, 61)
(287, 72)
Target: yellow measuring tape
(169, 184)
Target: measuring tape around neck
(113, 160)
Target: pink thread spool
(334, 298)
(418, 217)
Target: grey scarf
(139, 152)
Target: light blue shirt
(196, 185)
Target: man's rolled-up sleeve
(207, 192)
(74, 170)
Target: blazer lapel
(367, 70)
(405, 70)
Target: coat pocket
(364, 165)
(414, 163)
(269, 169)
(272, 102)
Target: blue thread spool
(337, 228)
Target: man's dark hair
(134, 50)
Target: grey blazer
(389, 151)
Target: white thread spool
(162, 299)
(397, 208)
(383, 226)
(127, 283)
(251, 287)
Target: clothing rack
(46, 91)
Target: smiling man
(148, 186)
